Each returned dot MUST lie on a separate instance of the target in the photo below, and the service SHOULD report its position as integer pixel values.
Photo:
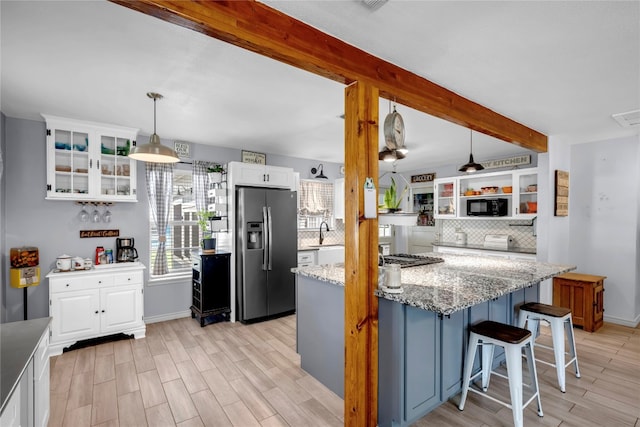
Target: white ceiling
(562, 68)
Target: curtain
(201, 183)
(316, 198)
(160, 191)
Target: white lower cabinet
(485, 252)
(95, 303)
(307, 258)
(41, 406)
(12, 413)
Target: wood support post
(361, 258)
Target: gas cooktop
(407, 260)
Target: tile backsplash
(335, 236)
(520, 230)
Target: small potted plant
(208, 242)
(392, 200)
(215, 173)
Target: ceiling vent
(628, 119)
(374, 4)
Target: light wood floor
(228, 374)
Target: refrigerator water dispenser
(254, 235)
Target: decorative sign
(99, 233)
(183, 149)
(562, 194)
(425, 177)
(253, 157)
(505, 163)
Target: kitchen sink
(325, 246)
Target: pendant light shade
(154, 151)
(392, 155)
(471, 166)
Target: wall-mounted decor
(183, 149)
(253, 157)
(99, 233)
(561, 200)
(425, 177)
(508, 162)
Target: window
(183, 233)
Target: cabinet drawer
(64, 284)
(130, 278)
(306, 257)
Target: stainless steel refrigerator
(266, 251)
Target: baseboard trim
(168, 316)
(623, 322)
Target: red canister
(99, 254)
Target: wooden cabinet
(260, 175)
(210, 286)
(89, 161)
(583, 294)
(95, 303)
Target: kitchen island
(422, 332)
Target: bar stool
(513, 339)
(557, 317)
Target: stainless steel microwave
(487, 207)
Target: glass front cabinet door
(89, 161)
(445, 197)
(525, 186)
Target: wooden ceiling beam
(261, 29)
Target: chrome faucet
(322, 234)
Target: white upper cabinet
(445, 197)
(518, 189)
(260, 175)
(88, 161)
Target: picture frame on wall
(253, 157)
(561, 200)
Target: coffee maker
(125, 252)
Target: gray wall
(53, 226)
(3, 259)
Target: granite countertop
(461, 281)
(18, 342)
(483, 248)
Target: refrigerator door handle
(269, 236)
(265, 239)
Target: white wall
(603, 212)
(601, 233)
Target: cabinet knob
(128, 278)
(99, 281)
(103, 311)
(67, 285)
(97, 312)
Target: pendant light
(471, 166)
(154, 151)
